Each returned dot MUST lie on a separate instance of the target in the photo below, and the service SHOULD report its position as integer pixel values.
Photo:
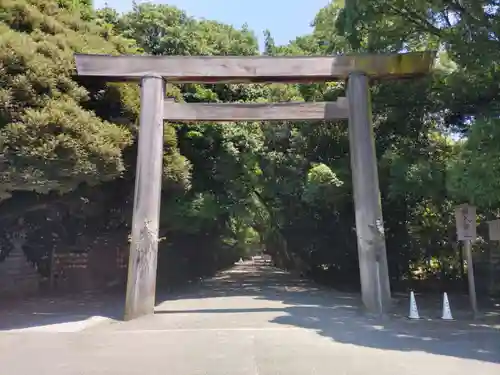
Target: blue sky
(285, 18)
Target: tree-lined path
(257, 320)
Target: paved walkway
(256, 321)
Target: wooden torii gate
(154, 71)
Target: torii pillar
(374, 273)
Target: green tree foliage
(166, 30)
(68, 146)
(50, 140)
(473, 173)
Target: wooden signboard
(465, 216)
(494, 230)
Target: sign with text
(465, 216)
(494, 230)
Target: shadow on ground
(298, 303)
(39, 311)
(339, 316)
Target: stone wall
(104, 266)
(17, 275)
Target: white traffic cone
(413, 307)
(446, 308)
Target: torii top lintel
(246, 69)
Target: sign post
(494, 235)
(465, 216)
(494, 230)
